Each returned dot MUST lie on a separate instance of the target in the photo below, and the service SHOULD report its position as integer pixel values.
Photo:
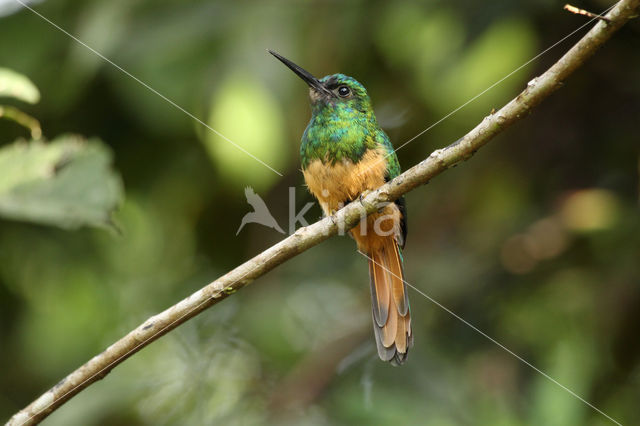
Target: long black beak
(313, 82)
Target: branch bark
(304, 238)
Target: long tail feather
(390, 303)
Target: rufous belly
(335, 185)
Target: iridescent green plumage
(345, 128)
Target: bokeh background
(535, 240)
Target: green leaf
(68, 183)
(14, 85)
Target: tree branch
(307, 237)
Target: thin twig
(583, 12)
(304, 238)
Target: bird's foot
(333, 217)
(363, 194)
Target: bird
(344, 155)
(261, 213)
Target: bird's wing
(393, 170)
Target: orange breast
(338, 184)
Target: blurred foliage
(244, 110)
(66, 182)
(535, 241)
(17, 86)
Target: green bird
(344, 154)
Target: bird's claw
(363, 194)
(333, 218)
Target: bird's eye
(344, 91)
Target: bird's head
(333, 91)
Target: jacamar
(344, 154)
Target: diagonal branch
(304, 238)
